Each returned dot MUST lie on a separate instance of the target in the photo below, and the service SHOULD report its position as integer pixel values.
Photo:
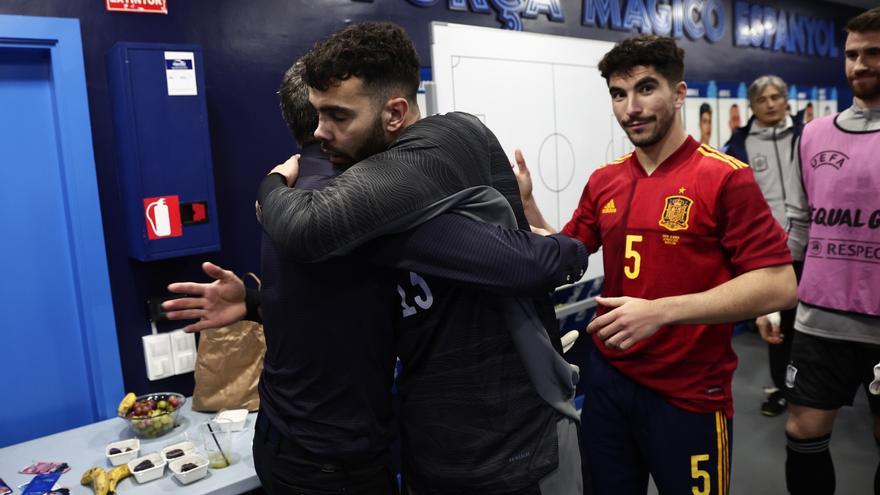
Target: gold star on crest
(681, 190)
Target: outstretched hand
(215, 304)
(523, 176)
(524, 181)
(632, 320)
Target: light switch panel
(183, 351)
(158, 357)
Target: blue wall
(247, 46)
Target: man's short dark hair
(705, 108)
(380, 53)
(867, 21)
(659, 52)
(300, 115)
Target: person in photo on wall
(768, 143)
(837, 325)
(689, 244)
(705, 123)
(734, 121)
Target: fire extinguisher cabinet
(163, 149)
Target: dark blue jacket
(736, 145)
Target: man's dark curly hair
(866, 22)
(300, 115)
(659, 52)
(380, 53)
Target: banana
(116, 475)
(88, 476)
(126, 403)
(96, 477)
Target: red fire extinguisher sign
(138, 6)
(162, 217)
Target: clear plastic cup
(217, 442)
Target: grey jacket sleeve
(797, 211)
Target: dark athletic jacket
(474, 414)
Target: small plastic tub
(233, 419)
(195, 474)
(186, 447)
(149, 474)
(128, 450)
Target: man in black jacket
(325, 389)
(486, 396)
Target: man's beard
(375, 142)
(869, 92)
(662, 124)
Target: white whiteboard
(540, 93)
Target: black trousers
(780, 354)
(286, 469)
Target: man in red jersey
(689, 245)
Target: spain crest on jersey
(676, 213)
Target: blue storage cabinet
(163, 150)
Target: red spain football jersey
(696, 222)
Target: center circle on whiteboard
(556, 162)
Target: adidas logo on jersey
(609, 207)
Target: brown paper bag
(228, 367)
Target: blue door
(57, 337)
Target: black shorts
(826, 373)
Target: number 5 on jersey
(632, 273)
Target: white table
(83, 448)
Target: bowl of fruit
(151, 415)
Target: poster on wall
(827, 101)
(733, 109)
(792, 100)
(701, 112)
(806, 104)
(138, 6)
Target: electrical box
(163, 149)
